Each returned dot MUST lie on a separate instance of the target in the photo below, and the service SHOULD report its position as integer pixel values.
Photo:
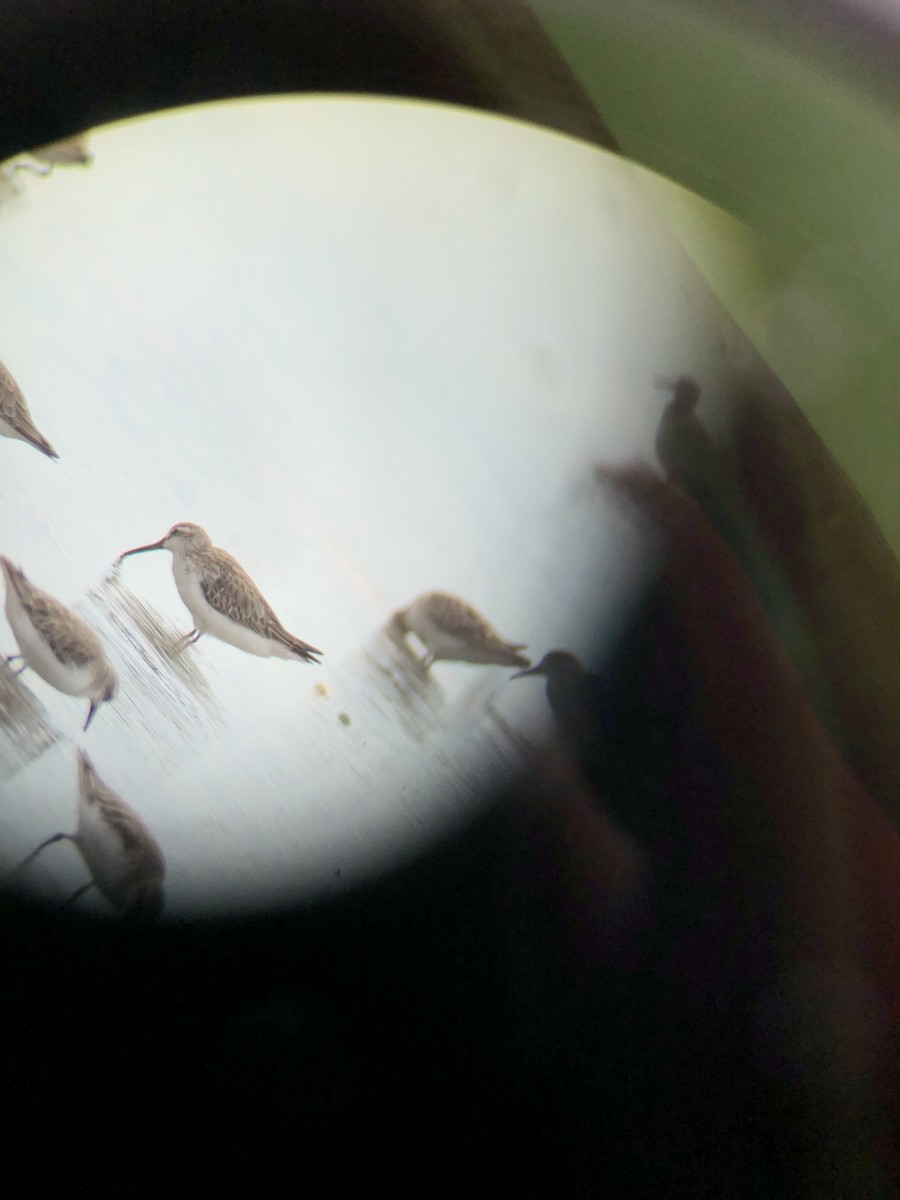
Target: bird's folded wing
(12, 404)
(71, 640)
(230, 591)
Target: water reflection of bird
(121, 854)
(56, 643)
(451, 630)
(156, 633)
(15, 419)
(222, 598)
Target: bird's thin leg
(188, 639)
(35, 168)
(57, 837)
(79, 892)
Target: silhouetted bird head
(685, 394)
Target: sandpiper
(222, 598)
(121, 854)
(687, 453)
(452, 630)
(70, 152)
(56, 643)
(15, 419)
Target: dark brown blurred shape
(79, 67)
(772, 886)
(844, 574)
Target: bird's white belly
(101, 848)
(70, 678)
(208, 620)
(437, 641)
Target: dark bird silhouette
(687, 454)
(578, 701)
(615, 733)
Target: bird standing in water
(56, 643)
(453, 631)
(70, 152)
(222, 598)
(121, 854)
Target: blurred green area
(797, 142)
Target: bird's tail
(39, 442)
(302, 649)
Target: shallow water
(374, 348)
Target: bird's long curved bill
(142, 549)
(90, 716)
(527, 671)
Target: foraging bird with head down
(123, 857)
(222, 598)
(453, 631)
(70, 152)
(56, 643)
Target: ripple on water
(163, 687)
(25, 728)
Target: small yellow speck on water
(321, 689)
(343, 718)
